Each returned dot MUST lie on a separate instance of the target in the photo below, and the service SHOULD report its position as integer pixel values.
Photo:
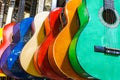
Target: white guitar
(26, 56)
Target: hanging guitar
(57, 52)
(27, 53)
(41, 62)
(13, 58)
(42, 56)
(83, 18)
(16, 38)
(98, 46)
(6, 31)
(1, 24)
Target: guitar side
(42, 56)
(13, 59)
(6, 53)
(27, 54)
(83, 18)
(6, 38)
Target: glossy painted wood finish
(96, 33)
(13, 59)
(42, 56)
(58, 56)
(6, 37)
(6, 53)
(27, 54)
(83, 18)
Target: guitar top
(98, 46)
(26, 56)
(58, 55)
(42, 54)
(83, 18)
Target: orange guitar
(57, 53)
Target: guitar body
(6, 53)
(42, 53)
(98, 34)
(13, 59)
(83, 18)
(58, 56)
(27, 54)
(6, 38)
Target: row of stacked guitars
(77, 40)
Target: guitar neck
(33, 8)
(10, 11)
(20, 13)
(40, 5)
(109, 4)
(1, 14)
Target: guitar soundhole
(109, 16)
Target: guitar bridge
(106, 50)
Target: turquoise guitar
(98, 46)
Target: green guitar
(98, 46)
(83, 18)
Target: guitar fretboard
(20, 13)
(109, 4)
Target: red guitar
(43, 62)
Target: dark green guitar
(98, 46)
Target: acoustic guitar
(27, 53)
(83, 18)
(15, 39)
(2, 5)
(98, 46)
(42, 56)
(13, 59)
(7, 35)
(6, 30)
(57, 53)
